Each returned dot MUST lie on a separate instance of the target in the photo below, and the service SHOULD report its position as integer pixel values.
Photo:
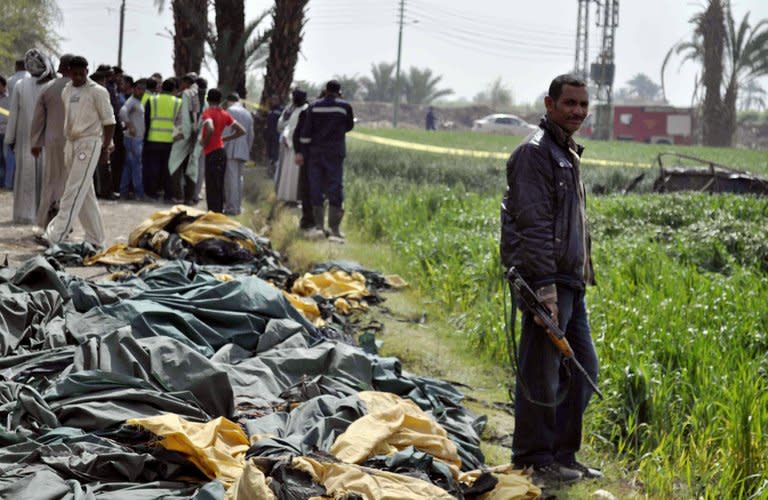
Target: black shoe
(554, 475)
(586, 471)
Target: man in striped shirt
(323, 135)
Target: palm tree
(381, 86)
(731, 56)
(421, 86)
(496, 95)
(753, 98)
(235, 45)
(350, 85)
(288, 18)
(190, 21)
(642, 87)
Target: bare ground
(17, 241)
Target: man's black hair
(142, 81)
(128, 79)
(65, 61)
(151, 84)
(188, 79)
(214, 96)
(117, 70)
(105, 69)
(78, 62)
(202, 83)
(169, 85)
(3, 81)
(333, 87)
(556, 87)
(20, 66)
(233, 97)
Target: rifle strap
(514, 361)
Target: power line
(494, 23)
(477, 47)
(494, 38)
(484, 44)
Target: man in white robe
(27, 180)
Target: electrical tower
(602, 71)
(580, 67)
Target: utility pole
(396, 103)
(120, 40)
(602, 72)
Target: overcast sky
(469, 43)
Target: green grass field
(755, 161)
(679, 315)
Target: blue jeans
(10, 166)
(326, 177)
(544, 434)
(132, 174)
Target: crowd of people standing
(68, 140)
(153, 135)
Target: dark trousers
(102, 179)
(155, 166)
(178, 186)
(117, 159)
(544, 434)
(215, 168)
(326, 177)
(307, 218)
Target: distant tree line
(418, 85)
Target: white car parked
(503, 124)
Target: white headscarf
(39, 65)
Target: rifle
(556, 335)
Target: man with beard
(28, 176)
(47, 135)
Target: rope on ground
(428, 148)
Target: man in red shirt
(215, 120)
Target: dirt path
(17, 241)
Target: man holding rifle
(544, 236)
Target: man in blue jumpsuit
(325, 127)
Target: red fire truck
(653, 124)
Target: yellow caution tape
(254, 105)
(415, 146)
(4, 111)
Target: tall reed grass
(679, 316)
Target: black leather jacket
(543, 221)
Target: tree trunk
(284, 46)
(230, 45)
(288, 22)
(712, 27)
(728, 120)
(189, 24)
